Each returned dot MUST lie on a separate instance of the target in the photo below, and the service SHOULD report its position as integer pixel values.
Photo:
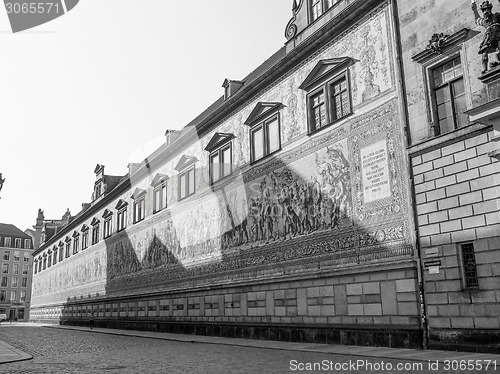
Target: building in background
(454, 118)
(16, 250)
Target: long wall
(305, 245)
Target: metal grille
(470, 267)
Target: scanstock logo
(26, 14)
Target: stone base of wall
(383, 336)
(477, 340)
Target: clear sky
(102, 83)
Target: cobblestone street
(70, 351)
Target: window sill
(265, 157)
(187, 196)
(315, 131)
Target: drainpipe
(404, 109)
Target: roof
(11, 230)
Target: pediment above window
(84, 228)
(68, 239)
(121, 204)
(261, 111)
(75, 234)
(326, 69)
(184, 162)
(49, 251)
(219, 138)
(159, 179)
(61, 244)
(95, 221)
(107, 213)
(138, 193)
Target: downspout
(406, 119)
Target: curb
(10, 354)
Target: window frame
(27, 243)
(264, 126)
(7, 242)
(107, 228)
(324, 7)
(95, 233)
(466, 286)
(6, 255)
(327, 89)
(76, 243)
(162, 191)
(139, 202)
(18, 242)
(219, 153)
(121, 219)
(432, 97)
(185, 172)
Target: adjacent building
(16, 249)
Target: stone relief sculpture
(490, 43)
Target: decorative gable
(121, 204)
(326, 69)
(159, 178)
(107, 213)
(75, 234)
(138, 193)
(68, 239)
(95, 221)
(261, 111)
(219, 138)
(84, 228)
(184, 162)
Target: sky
(102, 84)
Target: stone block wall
(456, 194)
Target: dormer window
(231, 87)
(329, 93)
(221, 157)
(186, 178)
(265, 130)
(318, 7)
(139, 204)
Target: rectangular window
(95, 234)
(107, 227)
(39, 266)
(25, 269)
(17, 256)
(7, 242)
(27, 243)
(4, 282)
(3, 295)
(121, 220)
(13, 296)
(15, 269)
(85, 239)
(44, 263)
(469, 267)
(54, 257)
(61, 253)
(35, 268)
(26, 257)
(160, 197)
(186, 183)
(5, 268)
(18, 243)
(24, 282)
(265, 138)
(221, 163)
(76, 244)
(68, 249)
(139, 209)
(6, 255)
(318, 7)
(449, 97)
(14, 282)
(49, 260)
(23, 296)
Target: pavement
(11, 354)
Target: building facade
(16, 250)
(453, 109)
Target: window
(265, 138)
(4, 282)
(85, 238)
(15, 269)
(26, 257)
(3, 295)
(54, 257)
(7, 242)
(61, 251)
(121, 219)
(27, 243)
(139, 209)
(49, 260)
(14, 282)
(68, 248)
(44, 263)
(318, 7)
(469, 267)
(5, 268)
(6, 255)
(18, 243)
(25, 268)
(221, 161)
(24, 282)
(76, 243)
(17, 256)
(160, 197)
(186, 183)
(448, 96)
(39, 265)
(95, 234)
(36, 266)
(329, 103)
(107, 227)
(13, 295)
(23, 296)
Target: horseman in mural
(334, 170)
